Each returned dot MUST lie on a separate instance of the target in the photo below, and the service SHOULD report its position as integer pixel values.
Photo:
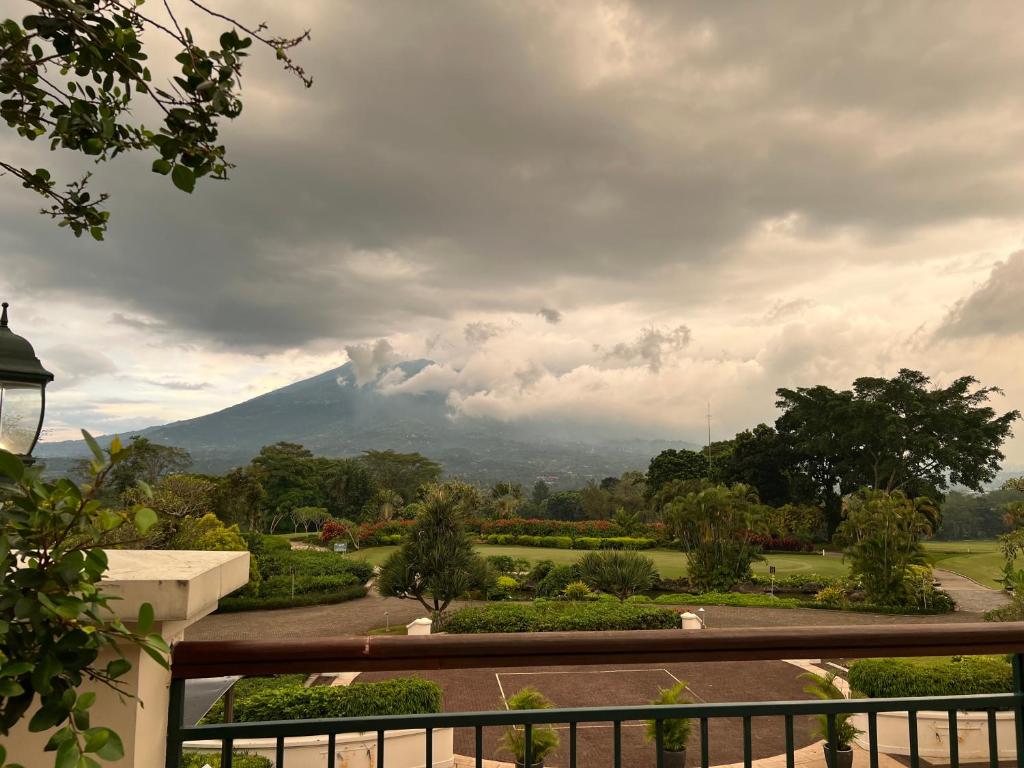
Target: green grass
(671, 564)
(978, 560)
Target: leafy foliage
(959, 676)
(437, 563)
(54, 617)
(672, 464)
(825, 688)
(881, 536)
(75, 72)
(717, 526)
(559, 616)
(238, 760)
(543, 738)
(618, 573)
(675, 730)
(398, 696)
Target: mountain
(334, 416)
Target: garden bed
(559, 616)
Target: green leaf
(85, 700)
(145, 518)
(161, 166)
(183, 178)
(67, 754)
(146, 618)
(9, 688)
(118, 667)
(112, 748)
(11, 465)
(94, 447)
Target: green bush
(558, 616)
(959, 676)
(399, 696)
(274, 602)
(238, 760)
(248, 686)
(730, 598)
(282, 585)
(556, 580)
(309, 562)
(639, 599)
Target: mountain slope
(333, 416)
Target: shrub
(543, 739)
(730, 598)
(556, 580)
(238, 760)
(504, 586)
(619, 573)
(833, 596)
(959, 676)
(639, 599)
(781, 543)
(400, 696)
(274, 602)
(824, 687)
(248, 686)
(503, 564)
(301, 585)
(539, 570)
(796, 582)
(676, 730)
(557, 616)
(577, 590)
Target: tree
(436, 563)
(541, 492)
(403, 473)
(881, 537)
(672, 464)
(149, 462)
(565, 505)
(55, 618)
(175, 499)
(241, 498)
(974, 516)
(717, 526)
(346, 486)
(75, 73)
(893, 434)
(506, 499)
(310, 516)
(618, 573)
(383, 506)
(289, 477)
(763, 459)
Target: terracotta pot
(673, 758)
(844, 757)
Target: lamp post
(23, 383)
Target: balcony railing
(442, 652)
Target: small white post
(419, 626)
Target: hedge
(399, 696)
(959, 676)
(567, 542)
(284, 584)
(212, 759)
(559, 616)
(248, 686)
(275, 602)
(730, 598)
(313, 563)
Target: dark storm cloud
(995, 308)
(447, 153)
(553, 316)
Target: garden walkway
(970, 596)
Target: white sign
(341, 547)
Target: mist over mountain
(333, 415)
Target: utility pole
(709, 440)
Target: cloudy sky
(604, 212)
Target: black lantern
(23, 383)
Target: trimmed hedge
(399, 696)
(249, 686)
(312, 563)
(283, 585)
(730, 598)
(567, 542)
(238, 760)
(559, 616)
(275, 602)
(959, 676)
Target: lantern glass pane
(21, 408)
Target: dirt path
(970, 596)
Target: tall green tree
(717, 526)
(761, 457)
(881, 535)
(346, 486)
(436, 563)
(404, 473)
(149, 462)
(76, 74)
(893, 434)
(240, 498)
(289, 477)
(564, 505)
(672, 464)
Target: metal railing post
(175, 720)
(1018, 710)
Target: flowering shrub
(780, 544)
(367, 534)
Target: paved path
(970, 596)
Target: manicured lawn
(670, 564)
(978, 560)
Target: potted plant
(543, 739)
(675, 732)
(824, 687)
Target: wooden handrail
(543, 649)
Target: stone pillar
(182, 587)
(419, 626)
